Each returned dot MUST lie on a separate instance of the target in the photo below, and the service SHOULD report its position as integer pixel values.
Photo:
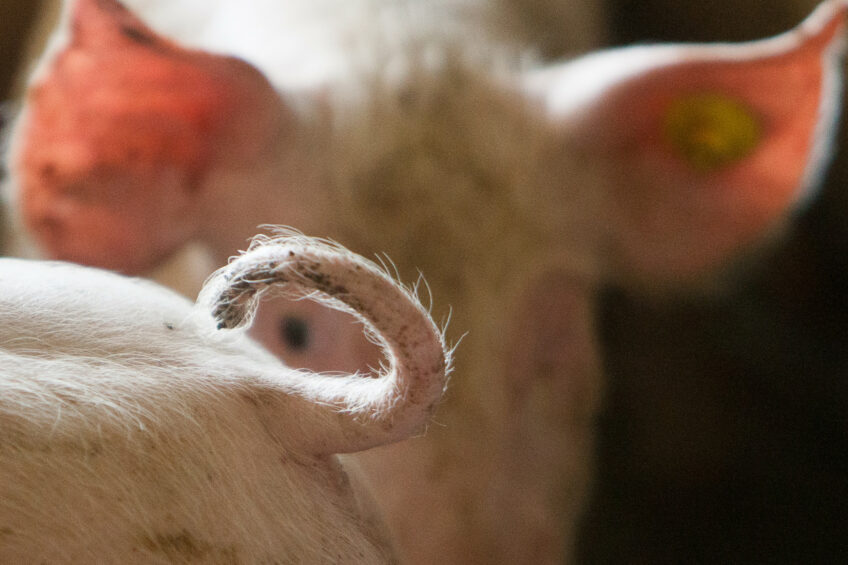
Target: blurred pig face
(429, 132)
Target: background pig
(134, 429)
(517, 191)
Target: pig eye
(294, 332)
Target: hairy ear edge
(707, 148)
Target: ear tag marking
(710, 131)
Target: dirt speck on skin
(137, 35)
(180, 545)
(183, 547)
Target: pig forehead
(307, 44)
(439, 171)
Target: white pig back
(302, 43)
(130, 433)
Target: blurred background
(725, 434)
(16, 17)
(724, 438)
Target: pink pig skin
(517, 188)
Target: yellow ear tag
(711, 131)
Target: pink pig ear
(708, 147)
(122, 126)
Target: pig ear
(343, 413)
(121, 128)
(708, 147)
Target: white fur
(133, 430)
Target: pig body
(429, 132)
(135, 430)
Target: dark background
(723, 439)
(15, 16)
